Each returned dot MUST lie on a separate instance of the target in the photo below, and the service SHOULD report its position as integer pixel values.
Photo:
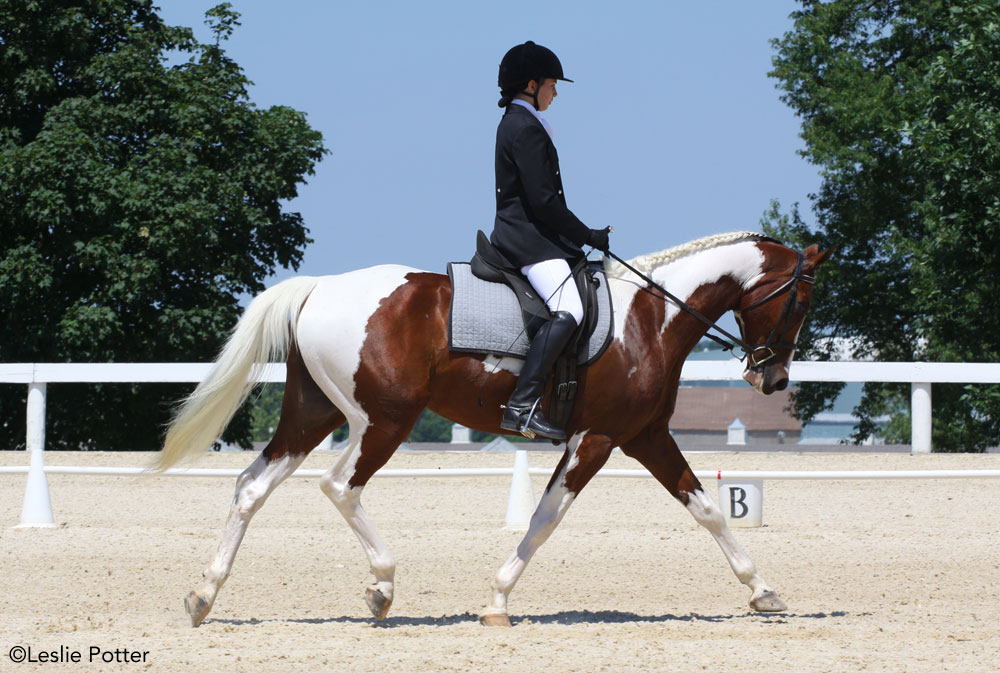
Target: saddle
(590, 340)
(489, 264)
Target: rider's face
(546, 94)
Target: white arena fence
(920, 375)
(741, 492)
(704, 475)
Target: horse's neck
(710, 281)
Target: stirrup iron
(523, 426)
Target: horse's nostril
(781, 383)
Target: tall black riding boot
(523, 412)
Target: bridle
(769, 345)
(749, 352)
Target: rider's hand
(598, 239)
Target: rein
(750, 352)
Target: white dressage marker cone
(521, 503)
(37, 509)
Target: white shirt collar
(532, 110)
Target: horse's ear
(814, 257)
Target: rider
(533, 228)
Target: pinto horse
(370, 348)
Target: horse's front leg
(658, 453)
(585, 455)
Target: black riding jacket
(532, 223)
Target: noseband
(769, 345)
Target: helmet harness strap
(534, 96)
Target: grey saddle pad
(486, 318)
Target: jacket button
(498, 190)
(560, 191)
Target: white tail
(261, 335)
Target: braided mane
(647, 263)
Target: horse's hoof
(768, 602)
(494, 619)
(377, 603)
(197, 608)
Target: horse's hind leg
(252, 488)
(585, 455)
(371, 444)
(307, 416)
(658, 453)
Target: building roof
(714, 409)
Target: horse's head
(771, 313)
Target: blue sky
(671, 131)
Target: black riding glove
(598, 239)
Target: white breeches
(553, 282)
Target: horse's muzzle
(768, 379)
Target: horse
(370, 348)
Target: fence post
(920, 418)
(37, 509)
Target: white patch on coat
(623, 291)
(493, 364)
(574, 458)
(682, 277)
(332, 330)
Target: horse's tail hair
(263, 334)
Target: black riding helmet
(523, 63)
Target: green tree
(265, 405)
(898, 102)
(430, 428)
(141, 201)
(433, 428)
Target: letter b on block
(737, 499)
(742, 502)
